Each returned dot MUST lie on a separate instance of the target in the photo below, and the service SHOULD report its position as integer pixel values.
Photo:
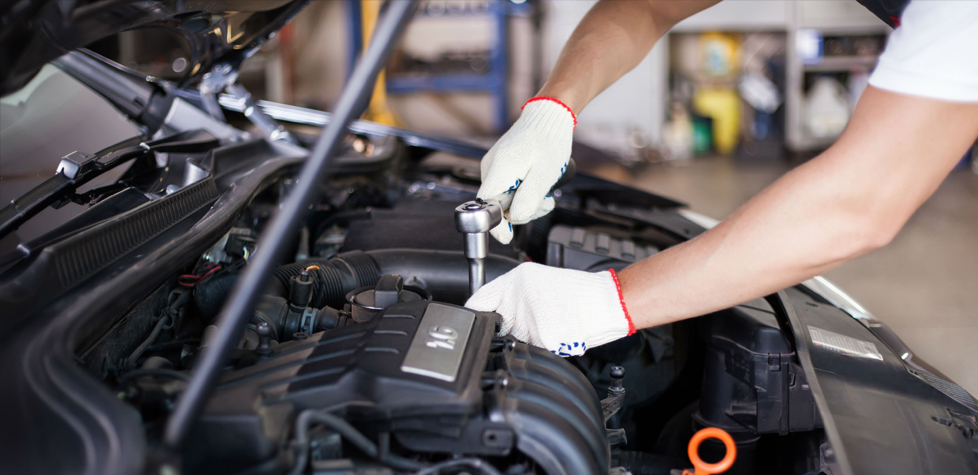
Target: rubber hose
(332, 278)
(158, 372)
(351, 434)
(443, 273)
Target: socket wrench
(475, 218)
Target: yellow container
(719, 54)
(723, 106)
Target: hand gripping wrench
(475, 218)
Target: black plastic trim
(64, 264)
(94, 432)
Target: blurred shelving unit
(841, 63)
(797, 136)
(493, 81)
(798, 20)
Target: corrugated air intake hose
(443, 273)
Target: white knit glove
(532, 155)
(565, 311)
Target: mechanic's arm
(612, 39)
(850, 200)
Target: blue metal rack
(354, 28)
(495, 82)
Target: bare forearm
(848, 201)
(612, 39)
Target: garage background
(730, 100)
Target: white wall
(741, 15)
(319, 60)
(636, 101)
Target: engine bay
(360, 357)
(246, 297)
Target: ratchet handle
(506, 199)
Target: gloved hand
(565, 311)
(532, 155)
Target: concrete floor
(924, 284)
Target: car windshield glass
(49, 118)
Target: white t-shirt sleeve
(934, 52)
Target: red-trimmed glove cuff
(621, 298)
(545, 98)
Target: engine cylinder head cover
(365, 302)
(431, 376)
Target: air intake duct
(442, 273)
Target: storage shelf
(443, 83)
(493, 83)
(512, 9)
(842, 63)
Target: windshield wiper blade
(76, 169)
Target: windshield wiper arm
(76, 169)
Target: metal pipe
(284, 225)
(268, 127)
(301, 115)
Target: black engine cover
(431, 374)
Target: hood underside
(34, 32)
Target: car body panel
(880, 416)
(35, 32)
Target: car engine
(360, 357)
(360, 353)
(427, 377)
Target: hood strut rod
(283, 227)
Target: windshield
(49, 118)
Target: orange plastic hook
(703, 468)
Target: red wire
(190, 280)
(215, 269)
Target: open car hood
(34, 32)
